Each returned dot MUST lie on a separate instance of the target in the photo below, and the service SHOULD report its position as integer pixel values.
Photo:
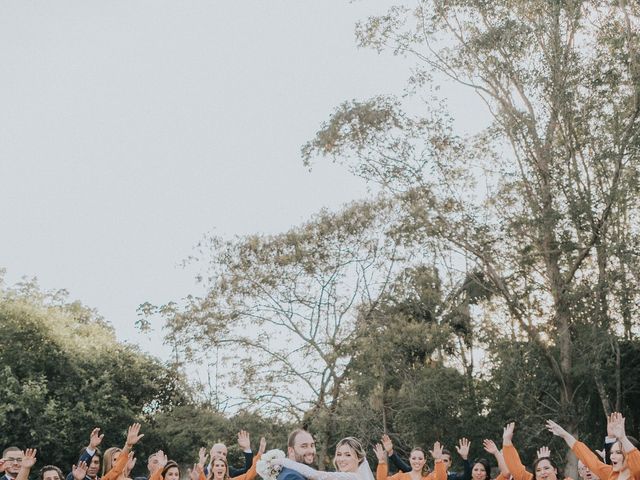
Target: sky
(131, 128)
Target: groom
(300, 448)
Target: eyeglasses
(14, 460)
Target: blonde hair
(107, 462)
(355, 445)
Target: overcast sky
(131, 128)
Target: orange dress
(602, 470)
(118, 468)
(439, 473)
(515, 466)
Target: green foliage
(63, 373)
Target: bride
(350, 461)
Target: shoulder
(288, 474)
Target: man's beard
(301, 459)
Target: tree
(64, 373)
(283, 308)
(553, 232)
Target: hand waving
(244, 440)
(380, 452)
(79, 471)
(134, 435)
(95, 438)
(463, 448)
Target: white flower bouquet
(266, 467)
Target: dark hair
(97, 454)
(446, 452)
(48, 468)
(170, 464)
(485, 464)
(291, 441)
(634, 441)
(553, 464)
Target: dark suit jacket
(288, 474)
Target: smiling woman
(625, 457)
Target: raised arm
(133, 437)
(312, 474)
(439, 469)
(511, 457)
(244, 442)
(28, 461)
(586, 456)
(393, 456)
(492, 448)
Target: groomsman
(12, 458)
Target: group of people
(619, 460)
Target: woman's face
(545, 471)
(478, 472)
(346, 459)
(417, 460)
(219, 468)
(172, 474)
(617, 457)
(50, 475)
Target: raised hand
(507, 433)
(79, 471)
(490, 446)
(263, 445)
(463, 448)
(194, 473)
(436, 453)
(202, 456)
(131, 463)
(616, 425)
(162, 459)
(387, 444)
(543, 452)
(29, 458)
(133, 435)
(380, 452)
(95, 438)
(244, 440)
(556, 429)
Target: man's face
(446, 459)
(219, 450)
(94, 466)
(12, 462)
(153, 463)
(304, 449)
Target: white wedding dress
(363, 472)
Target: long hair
(226, 468)
(485, 464)
(425, 468)
(170, 464)
(108, 462)
(355, 445)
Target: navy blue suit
(288, 474)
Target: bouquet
(266, 468)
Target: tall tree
(541, 202)
(283, 309)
